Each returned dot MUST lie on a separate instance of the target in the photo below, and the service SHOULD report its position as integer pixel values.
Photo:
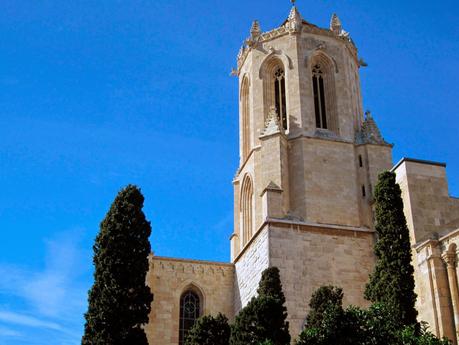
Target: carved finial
(369, 132)
(255, 31)
(294, 20)
(335, 24)
(272, 125)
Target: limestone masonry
(309, 158)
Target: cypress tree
(264, 317)
(270, 285)
(119, 300)
(392, 281)
(209, 330)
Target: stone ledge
(420, 161)
(192, 261)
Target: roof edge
(419, 161)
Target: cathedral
(309, 159)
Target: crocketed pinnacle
(272, 125)
(335, 24)
(294, 21)
(255, 31)
(369, 132)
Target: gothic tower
(308, 163)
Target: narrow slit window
(364, 192)
(245, 118)
(360, 161)
(319, 97)
(279, 96)
(246, 208)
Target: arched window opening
(245, 118)
(273, 74)
(246, 209)
(323, 70)
(190, 311)
(279, 96)
(319, 96)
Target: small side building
(433, 220)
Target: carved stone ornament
(335, 24)
(255, 31)
(449, 258)
(337, 28)
(293, 25)
(255, 35)
(272, 125)
(321, 46)
(369, 132)
(295, 22)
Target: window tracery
(190, 311)
(319, 96)
(323, 72)
(279, 96)
(273, 73)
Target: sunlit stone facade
(309, 159)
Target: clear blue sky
(99, 94)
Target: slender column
(441, 295)
(450, 259)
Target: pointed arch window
(246, 209)
(279, 96)
(320, 106)
(190, 311)
(245, 118)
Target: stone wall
(310, 256)
(432, 218)
(425, 196)
(169, 278)
(324, 188)
(249, 265)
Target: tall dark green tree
(392, 282)
(264, 317)
(119, 300)
(209, 330)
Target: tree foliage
(323, 299)
(376, 325)
(392, 281)
(209, 330)
(264, 317)
(119, 300)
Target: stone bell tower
(308, 162)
